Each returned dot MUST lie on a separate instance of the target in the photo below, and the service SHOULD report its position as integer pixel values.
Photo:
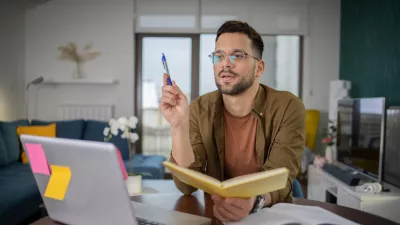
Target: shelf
(81, 81)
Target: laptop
(88, 187)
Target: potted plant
(126, 126)
(329, 142)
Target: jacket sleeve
(287, 148)
(198, 150)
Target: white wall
(109, 26)
(321, 58)
(11, 60)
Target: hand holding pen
(174, 104)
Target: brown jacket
(280, 137)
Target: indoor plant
(126, 126)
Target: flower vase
(134, 185)
(79, 72)
(329, 154)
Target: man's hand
(174, 104)
(232, 209)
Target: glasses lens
(237, 56)
(216, 57)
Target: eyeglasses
(236, 56)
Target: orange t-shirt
(240, 152)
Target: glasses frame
(246, 55)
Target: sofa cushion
(149, 166)
(94, 132)
(11, 140)
(18, 193)
(72, 129)
(3, 152)
(45, 130)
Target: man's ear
(260, 67)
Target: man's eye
(238, 56)
(217, 57)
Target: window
(191, 68)
(155, 136)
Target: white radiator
(85, 111)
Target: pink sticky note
(122, 165)
(37, 159)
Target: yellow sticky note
(58, 183)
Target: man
(242, 128)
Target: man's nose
(226, 62)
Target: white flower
(106, 131)
(123, 121)
(123, 135)
(124, 125)
(132, 122)
(133, 137)
(114, 128)
(111, 122)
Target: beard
(241, 86)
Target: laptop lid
(82, 183)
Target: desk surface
(162, 193)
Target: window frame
(194, 83)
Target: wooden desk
(163, 194)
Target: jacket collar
(258, 105)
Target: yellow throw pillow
(46, 131)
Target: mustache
(227, 71)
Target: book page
(194, 178)
(285, 214)
(311, 214)
(256, 184)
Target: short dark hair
(235, 26)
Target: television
(360, 134)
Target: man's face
(236, 73)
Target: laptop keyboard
(147, 222)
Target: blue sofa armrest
(149, 166)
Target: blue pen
(164, 62)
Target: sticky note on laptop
(37, 159)
(58, 183)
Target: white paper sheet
(291, 214)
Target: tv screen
(360, 128)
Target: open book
(291, 214)
(243, 186)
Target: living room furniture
(150, 166)
(324, 187)
(164, 194)
(19, 195)
(312, 123)
(297, 191)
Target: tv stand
(323, 186)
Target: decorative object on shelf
(126, 126)
(329, 142)
(70, 52)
